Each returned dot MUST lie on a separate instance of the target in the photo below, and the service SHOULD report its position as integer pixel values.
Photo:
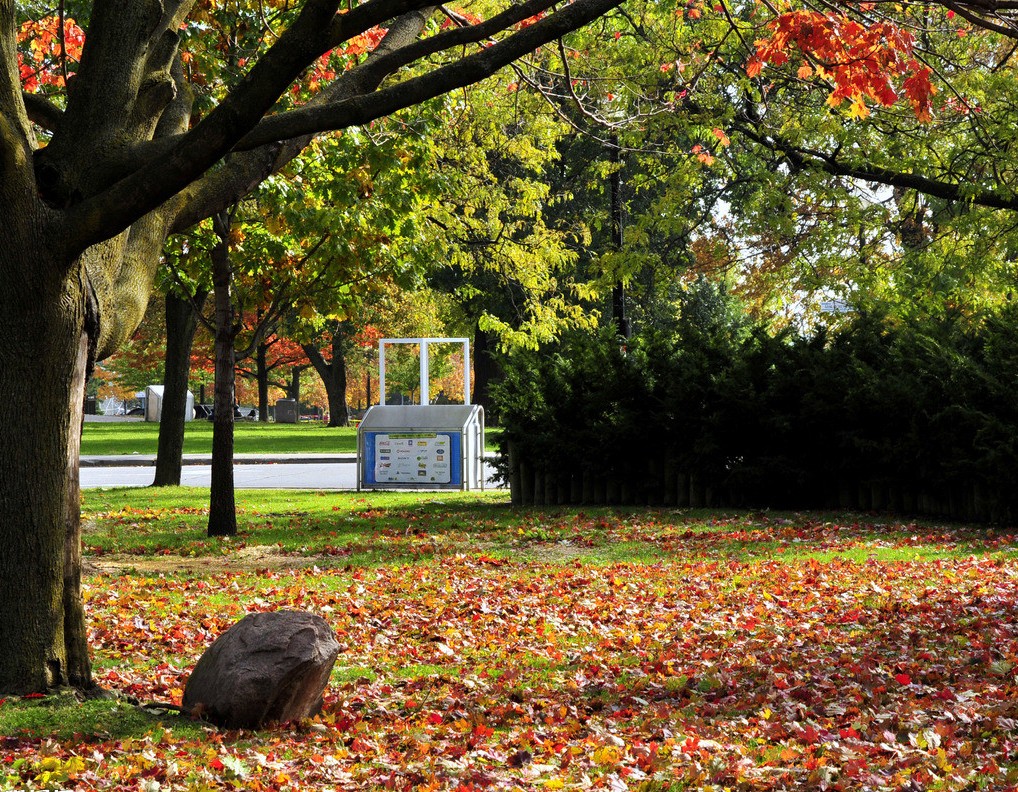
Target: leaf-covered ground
(490, 649)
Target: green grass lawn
(250, 437)
(487, 647)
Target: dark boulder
(268, 668)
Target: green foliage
(876, 414)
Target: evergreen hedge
(713, 410)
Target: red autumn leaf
(860, 61)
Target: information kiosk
(422, 446)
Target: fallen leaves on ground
(747, 654)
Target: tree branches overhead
(139, 169)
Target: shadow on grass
(367, 529)
(63, 717)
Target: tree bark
(181, 324)
(293, 392)
(262, 378)
(333, 376)
(485, 373)
(47, 334)
(222, 501)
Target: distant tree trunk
(619, 289)
(333, 375)
(181, 324)
(293, 392)
(485, 372)
(222, 503)
(262, 378)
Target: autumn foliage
(859, 61)
(45, 52)
(637, 650)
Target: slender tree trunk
(262, 377)
(293, 392)
(47, 331)
(181, 324)
(222, 502)
(619, 289)
(335, 386)
(485, 372)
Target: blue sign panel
(402, 458)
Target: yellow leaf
(607, 755)
(858, 108)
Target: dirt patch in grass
(553, 552)
(243, 559)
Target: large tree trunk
(333, 376)
(47, 331)
(181, 324)
(222, 503)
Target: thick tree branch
(393, 52)
(42, 111)
(1003, 26)
(99, 217)
(174, 14)
(16, 140)
(808, 159)
(243, 171)
(466, 71)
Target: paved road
(337, 472)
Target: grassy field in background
(251, 437)
(487, 647)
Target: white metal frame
(424, 343)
